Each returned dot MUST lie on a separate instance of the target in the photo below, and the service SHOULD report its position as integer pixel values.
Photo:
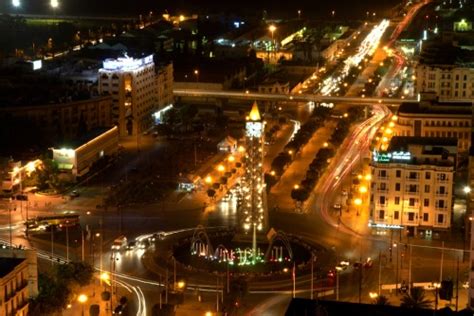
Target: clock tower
(253, 206)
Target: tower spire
(255, 113)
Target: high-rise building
(133, 86)
(253, 206)
(412, 184)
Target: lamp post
(82, 298)
(272, 28)
(196, 73)
(16, 3)
(436, 286)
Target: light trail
(367, 47)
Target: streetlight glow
(272, 28)
(358, 201)
(208, 180)
(82, 298)
(467, 189)
(363, 189)
(54, 4)
(16, 3)
(220, 168)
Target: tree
(75, 273)
(211, 193)
(299, 194)
(187, 114)
(416, 299)
(48, 175)
(52, 298)
(381, 300)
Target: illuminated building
(412, 184)
(435, 119)
(79, 158)
(133, 86)
(18, 281)
(253, 206)
(447, 71)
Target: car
(337, 206)
(131, 245)
(119, 243)
(74, 194)
(118, 310)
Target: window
(427, 175)
(411, 216)
(396, 215)
(412, 188)
(382, 200)
(442, 190)
(425, 217)
(397, 186)
(382, 173)
(440, 204)
(413, 175)
(383, 186)
(398, 173)
(440, 218)
(397, 200)
(426, 202)
(442, 177)
(381, 214)
(427, 188)
(411, 201)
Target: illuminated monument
(253, 208)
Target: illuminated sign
(401, 155)
(388, 157)
(386, 226)
(254, 129)
(127, 63)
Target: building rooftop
(438, 53)
(83, 139)
(7, 265)
(401, 143)
(435, 107)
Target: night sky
(313, 8)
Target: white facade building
(412, 184)
(448, 82)
(133, 85)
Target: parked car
(119, 243)
(74, 194)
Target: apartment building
(430, 118)
(18, 281)
(447, 71)
(412, 184)
(132, 84)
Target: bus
(42, 223)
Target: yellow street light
(272, 28)
(196, 71)
(368, 177)
(346, 115)
(467, 189)
(363, 189)
(241, 149)
(82, 298)
(208, 313)
(220, 168)
(373, 295)
(325, 144)
(290, 152)
(358, 201)
(208, 180)
(285, 270)
(388, 131)
(384, 139)
(54, 4)
(181, 284)
(391, 124)
(296, 187)
(394, 118)
(231, 158)
(105, 277)
(359, 176)
(272, 173)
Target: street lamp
(196, 73)
(436, 285)
(467, 189)
(296, 187)
(16, 3)
(82, 299)
(272, 28)
(373, 295)
(363, 189)
(54, 4)
(358, 203)
(325, 144)
(208, 180)
(220, 168)
(231, 158)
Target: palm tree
(381, 300)
(416, 299)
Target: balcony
(382, 190)
(414, 179)
(444, 208)
(383, 178)
(412, 192)
(442, 180)
(444, 194)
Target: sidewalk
(93, 292)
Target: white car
(337, 206)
